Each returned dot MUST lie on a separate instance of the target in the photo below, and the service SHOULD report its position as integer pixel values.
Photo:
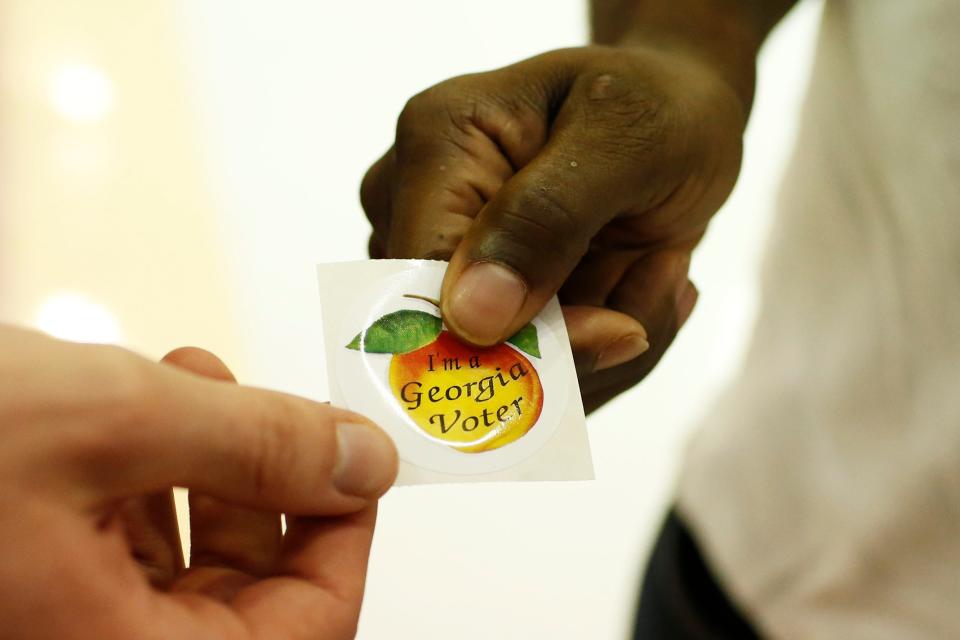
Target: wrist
(725, 41)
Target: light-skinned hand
(94, 438)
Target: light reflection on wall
(107, 218)
(72, 316)
(81, 92)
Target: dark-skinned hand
(590, 172)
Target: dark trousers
(679, 599)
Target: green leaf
(526, 340)
(398, 332)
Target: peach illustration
(470, 398)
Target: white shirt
(825, 486)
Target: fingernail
(366, 461)
(621, 350)
(485, 300)
(686, 300)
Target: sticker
(471, 399)
(452, 409)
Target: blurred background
(172, 172)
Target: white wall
(295, 100)
(106, 227)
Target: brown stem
(435, 303)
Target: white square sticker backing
(457, 413)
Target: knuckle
(614, 85)
(534, 221)
(273, 453)
(411, 125)
(369, 188)
(348, 626)
(450, 105)
(547, 216)
(95, 447)
(630, 117)
(204, 508)
(128, 384)
(121, 394)
(423, 105)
